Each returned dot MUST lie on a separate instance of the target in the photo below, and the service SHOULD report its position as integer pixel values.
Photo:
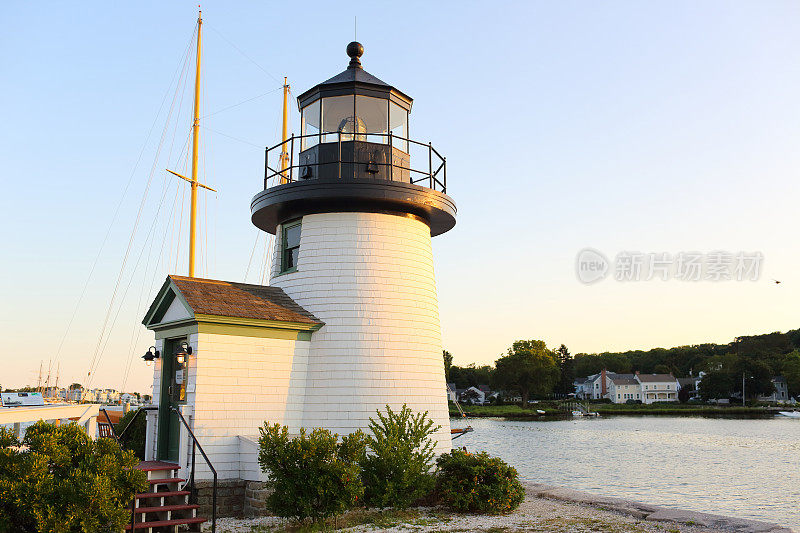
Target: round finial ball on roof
(355, 50)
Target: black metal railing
(190, 483)
(434, 177)
(119, 436)
(111, 425)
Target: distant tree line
(529, 368)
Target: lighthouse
(353, 214)
(349, 322)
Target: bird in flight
(776, 281)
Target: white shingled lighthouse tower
(353, 214)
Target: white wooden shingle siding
(369, 277)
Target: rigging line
(97, 354)
(137, 328)
(180, 230)
(242, 52)
(232, 137)
(252, 253)
(215, 214)
(240, 103)
(205, 232)
(180, 219)
(150, 236)
(206, 143)
(116, 211)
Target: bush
(62, 481)
(313, 475)
(134, 438)
(478, 483)
(397, 471)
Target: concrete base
(653, 512)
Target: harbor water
(745, 468)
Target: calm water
(744, 468)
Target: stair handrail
(195, 443)
(113, 431)
(135, 416)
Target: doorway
(174, 376)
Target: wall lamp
(183, 352)
(151, 355)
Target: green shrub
(134, 437)
(313, 475)
(478, 483)
(397, 471)
(62, 481)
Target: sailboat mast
(285, 136)
(195, 147)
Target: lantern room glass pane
(398, 125)
(310, 125)
(338, 114)
(373, 114)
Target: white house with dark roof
(658, 387)
(624, 387)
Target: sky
(622, 126)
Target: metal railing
(118, 438)
(111, 425)
(190, 483)
(435, 175)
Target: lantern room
(354, 116)
(354, 154)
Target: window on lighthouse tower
(290, 249)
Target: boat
(790, 414)
(458, 432)
(540, 412)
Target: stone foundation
(255, 496)
(235, 498)
(230, 497)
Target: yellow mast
(285, 136)
(195, 143)
(195, 150)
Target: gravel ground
(535, 514)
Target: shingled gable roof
(655, 378)
(239, 300)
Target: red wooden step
(150, 466)
(162, 523)
(166, 480)
(165, 508)
(144, 495)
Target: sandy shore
(545, 509)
